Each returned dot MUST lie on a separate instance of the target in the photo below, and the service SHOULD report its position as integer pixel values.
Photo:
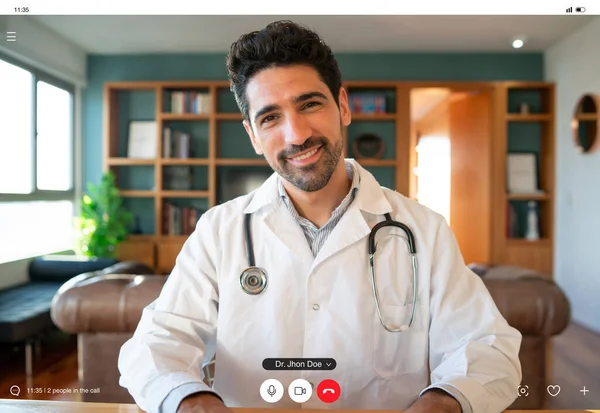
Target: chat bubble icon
(15, 391)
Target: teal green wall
(407, 66)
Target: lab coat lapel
(353, 226)
(284, 226)
(268, 209)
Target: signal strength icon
(570, 10)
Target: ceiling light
(518, 43)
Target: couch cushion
(25, 310)
(61, 268)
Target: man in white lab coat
(310, 224)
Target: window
(16, 85)
(36, 163)
(433, 173)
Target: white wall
(574, 65)
(44, 49)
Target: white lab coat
(458, 332)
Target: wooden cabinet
(167, 251)
(143, 251)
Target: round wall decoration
(368, 146)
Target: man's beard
(312, 177)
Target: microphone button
(271, 390)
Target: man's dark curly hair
(281, 43)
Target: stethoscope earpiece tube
(390, 223)
(248, 236)
(413, 252)
(253, 280)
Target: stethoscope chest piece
(253, 280)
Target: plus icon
(584, 391)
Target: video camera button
(300, 391)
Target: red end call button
(328, 391)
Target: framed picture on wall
(142, 139)
(522, 173)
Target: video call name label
(299, 364)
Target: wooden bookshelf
(129, 161)
(528, 197)
(223, 145)
(214, 126)
(184, 194)
(531, 132)
(184, 162)
(137, 193)
(377, 117)
(539, 117)
(184, 116)
(241, 162)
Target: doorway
(451, 162)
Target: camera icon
(299, 391)
(523, 391)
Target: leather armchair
(103, 309)
(104, 312)
(533, 304)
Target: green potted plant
(104, 222)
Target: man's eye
(310, 105)
(267, 119)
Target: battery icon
(580, 9)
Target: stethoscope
(254, 279)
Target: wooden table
(39, 406)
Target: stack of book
(180, 220)
(367, 103)
(176, 144)
(190, 102)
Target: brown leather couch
(104, 311)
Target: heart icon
(553, 390)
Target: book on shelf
(190, 102)
(180, 220)
(176, 144)
(367, 103)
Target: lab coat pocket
(398, 353)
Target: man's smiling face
(295, 122)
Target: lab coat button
(316, 307)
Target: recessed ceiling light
(518, 43)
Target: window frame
(37, 194)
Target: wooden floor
(575, 363)
(55, 372)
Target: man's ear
(255, 142)
(345, 113)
